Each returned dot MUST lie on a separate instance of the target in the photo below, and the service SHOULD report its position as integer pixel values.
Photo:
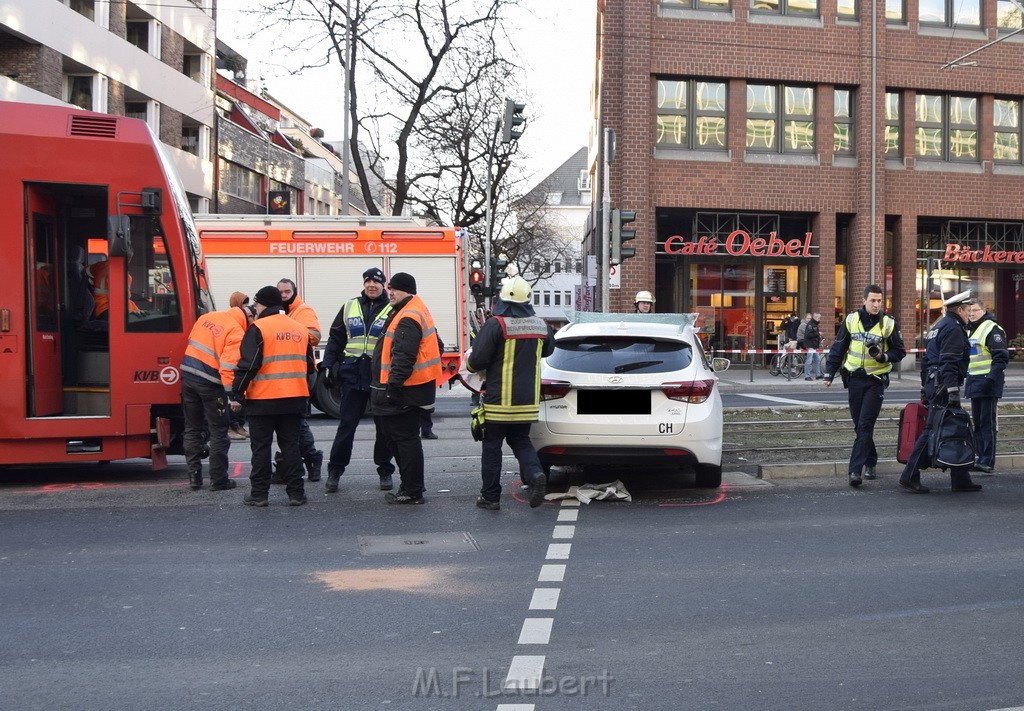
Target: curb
(885, 467)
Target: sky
(554, 42)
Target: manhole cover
(445, 542)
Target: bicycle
(789, 365)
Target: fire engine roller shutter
(328, 282)
(245, 274)
(436, 285)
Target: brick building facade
(756, 139)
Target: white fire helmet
(515, 291)
(643, 296)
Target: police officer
(346, 364)
(206, 374)
(271, 380)
(985, 377)
(943, 370)
(508, 350)
(643, 302)
(406, 365)
(302, 312)
(868, 343)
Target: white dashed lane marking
(564, 532)
(525, 672)
(551, 574)
(536, 630)
(558, 551)
(568, 514)
(515, 707)
(545, 599)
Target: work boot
(235, 433)
(314, 466)
(538, 490)
(195, 479)
(855, 479)
(277, 477)
(429, 434)
(869, 473)
(223, 485)
(333, 477)
(386, 482)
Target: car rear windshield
(620, 355)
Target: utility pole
(346, 156)
(604, 262)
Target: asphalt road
(125, 590)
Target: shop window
(691, 114)
(892, 130)
(1008, 15)
(1006, 130)
(947, 127)
(799, 8)
(895, 12)
(843, 116)
(780, 118)
(950, 13)
(846, 9)
(722, 5)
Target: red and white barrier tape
(757, 351)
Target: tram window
(152, 302)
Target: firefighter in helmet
(643, 303)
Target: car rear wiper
(637, 365)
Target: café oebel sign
(740, 244)
(963, 253)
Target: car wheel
(325, 399)
(708, 476)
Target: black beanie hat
(375, 274)
(403, 282)
(269, 296)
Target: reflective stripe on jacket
(861, 340)
(428, 358)
(212, 350)
(509, 351)
(283, 372)
(304, 314)
(981, 356)
(360, 340)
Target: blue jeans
(812, 365)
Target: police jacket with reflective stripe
(989, 355)
(276, 357)
(856, 334)
(509, 351)
(353, 336)
(213, 348)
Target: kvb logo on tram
(166, 376)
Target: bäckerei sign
(963, 253)
(739, 243)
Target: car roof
(667, 331)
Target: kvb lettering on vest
(288, 335)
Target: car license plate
(613, 402)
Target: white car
(631, 390)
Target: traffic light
(510, 126)
(499, 265)
(621, 218)
(476, 279)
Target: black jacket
(945, 355)
(396, 397)
(249, 365)
(351, 371)
(990, 385)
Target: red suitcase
(912, 421)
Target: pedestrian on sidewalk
(989, 355)
(808, 336)
(868, 343)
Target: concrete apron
(885, 467)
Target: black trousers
(983, 413)
(958, 476)
(517, 434)
(262, 429)
(353, 406)
(205, 407)
(865, 395)
(402, 436)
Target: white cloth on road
(612, 491)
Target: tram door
(44, 381)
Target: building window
(194, 66)
(148, 111)
(891, 137)
(691, 114)
(947, 127)
(241, 182)
(86, 8)
(843, 121)
(190, 139)
(780, 118)
(895, 12)
(86, 91)
(144, 34)
(799, 8)
(846, 9)
(1006, 124)
(698, 4)
(1008, 15)
(950, 13)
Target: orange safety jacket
(99, 278)
(304, 314)
(213, 347)
(428, 358)
(283, 371)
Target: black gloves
(953, 398)
(988, 387)
(394, 396)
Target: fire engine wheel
(326, 400)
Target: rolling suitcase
(912, 422)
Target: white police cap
(964, 298)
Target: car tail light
(554, 389)
(696, 391)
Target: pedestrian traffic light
(510, 126)
(476, 279)
(499, 265)
(621, 218)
